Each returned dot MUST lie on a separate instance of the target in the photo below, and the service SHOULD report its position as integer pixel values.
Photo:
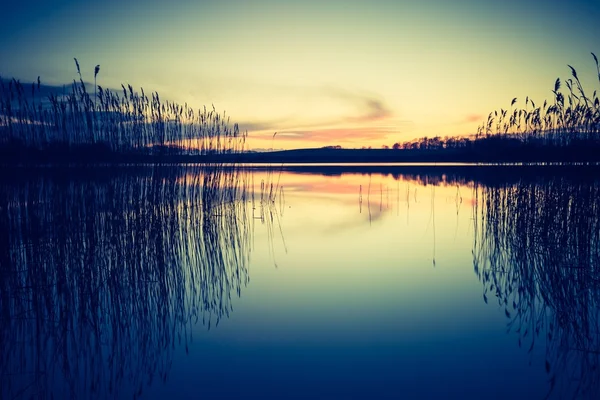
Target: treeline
(434, 143)
(571, 120)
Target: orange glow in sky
(352, 73)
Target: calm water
(186, 283)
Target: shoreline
(521, 156)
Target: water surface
(186, 282)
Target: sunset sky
(325, 72)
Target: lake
(324, 282)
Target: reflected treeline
(537, 250)
(452, 174)
(102, 278)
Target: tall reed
(105, 271)
(124, 121)
(537, 254)
(573, 116)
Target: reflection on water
(102, 276)
(108, 275)
(537, 250)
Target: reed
(573, 116)
(105, 271)
(124, 122)
(537, 255)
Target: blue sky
(317, 72)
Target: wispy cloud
(369, 106)
(473, 118)
(337, 135)
(360, 116)
(41, 91)
(262, 126)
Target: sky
(318, 72)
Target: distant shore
(489, 174)
(584, 154)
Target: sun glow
(319, 73)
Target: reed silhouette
(107, 123)
(537, 252)
(573, 117)
(104, 272)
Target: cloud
(362, 120)
(338, 134)
(370, 107)
(377, 111)
(473, 118)
(41, 93)
(261, 126)
(45, 89)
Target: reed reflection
(104, 273)
(537, 250)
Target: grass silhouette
(537, 254)
(573, 116)
(105, 271)
(124, 123)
